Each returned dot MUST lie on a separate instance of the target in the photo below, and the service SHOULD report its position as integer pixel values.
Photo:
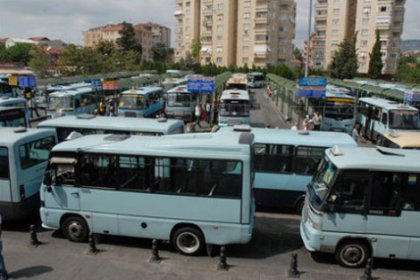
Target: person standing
(102, 107)
(197, 114)
(3, 271)
(357, 136)
(317, 119)
(208, 111)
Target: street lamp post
(309, 39)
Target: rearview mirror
(47, 179)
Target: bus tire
(352, 253)
(75, 229)
(188, 241)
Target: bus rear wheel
(352, 254)
(75, 229)
(188, 241)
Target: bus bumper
(311, 237)
(20, 210)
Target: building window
(336, 21)
(245, 37)
(365, 21)
(247, 15)
(246, 26)
(245, 49)
(334, 33)
(365, 32)
(219, 37)
(220, 27)
(245, 60)
(363, 43)
(336, 11)
(247, 4)
(383, 9)
(219, 6)
(218, 59)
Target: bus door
(5, 191)
(347, 203)
(391, 194)
(33, 159)
(99, 195)
(155, 103)
(61, 191)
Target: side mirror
(48, 180)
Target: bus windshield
(131, 101)
(237, 86)
(338, 110)
(322, 181)
(404, 119)
(60, 102)
(179, 99)
(234, 108)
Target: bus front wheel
(188, 241)
(75, 229)
(352, 254)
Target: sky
(67, 19)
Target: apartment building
(336, 20)
(237, 32)
(146, 33)
(387, 18)
(187, 14)
(160, 34)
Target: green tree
(375, 63)
(195, 50)
(17, 53)
(39, 61)
(344, 62)
(409, 70)
(70, 61)
(160, 52)
(128, 40)
(106, 47)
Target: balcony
(261, 20)
(206, 32)
(261, 31)
(261, 8)
(261, 51)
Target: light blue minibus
(234, 108)
(190, 189)
(284, 162)
(141, 102)
(91, 124)
(14, 116)
(72, 101)
(364, 202)
(338, 110)
(23, 159)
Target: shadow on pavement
(31, 271)
(272, 236)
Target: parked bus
(15, 114)
(23, 159)
(338, 110)
(238, 81)
(72, 101)
(91, 124)
(180, 103)
(192, 190)
(13, 117)
(234, 108)
(141, 102)
(256, 80)
(382, 119)
(364, 202)
(170, 83)
(284, 162)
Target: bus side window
(4, 163)
(307, 159)
(77, 102)
(273, 158)
(349, 190)
(384, 119)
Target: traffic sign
(313, 82)
(200, 84)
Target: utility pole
(309, 39)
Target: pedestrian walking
(356, 134)
(197, 114)
(3, 271)
(208, 111)
(102, 107)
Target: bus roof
(404, 138)
(114, 123)
(71, 92)
(4, 101)
(386, 104)
(379, 158)
(299, 138)
(209, 145)
(142, 90)
(237, 80)
(11, 135)
(181, 88)
(235, 94)
(68, 87)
